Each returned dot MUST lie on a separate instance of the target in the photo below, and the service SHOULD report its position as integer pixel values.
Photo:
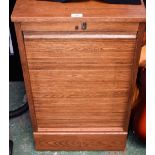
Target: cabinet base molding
(80, 141)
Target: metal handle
(83, 25)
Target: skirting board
(80, 141)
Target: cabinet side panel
(25, 73)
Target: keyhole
(76, 27)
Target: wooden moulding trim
(78, 36)
(113, 129)
(65, 19)
(83, 133)
(136, 57)
(80, 140)
(24, 63)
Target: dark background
(15, 71)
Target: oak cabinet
(79, 71)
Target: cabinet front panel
(80, 83)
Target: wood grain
(64, 71)
(49, 76)
(82, 129)
(79, 53)
(79, 82)
(76, 63)
(83, 122)
(43, 11)
(80, 141)
(71, 26)
(26, 74)
(86, 45)
(53, 84)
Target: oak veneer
(45, 11)
(80, 141)
(70, 25)
(79, 80)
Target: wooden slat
(83, 102)
(69, 53)
(111, 121)
(48, 66)
(98, 116)
(81, 108)
(79, 93)
(80, 75)
(80, 61)
(85, 67)
(47, 86)
(76, 63)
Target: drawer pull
(83, 25)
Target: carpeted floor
(21, 132)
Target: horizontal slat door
(80, 82)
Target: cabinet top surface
(44, 10)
